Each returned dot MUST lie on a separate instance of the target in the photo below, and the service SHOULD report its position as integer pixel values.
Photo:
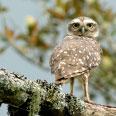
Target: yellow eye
(75, 25)
(90, 24)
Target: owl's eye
(90, 24)
(76, 25)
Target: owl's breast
(86, 51)
(74, 56)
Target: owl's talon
(71, 94)
(88, 100)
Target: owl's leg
(86, 92)
(71, 86)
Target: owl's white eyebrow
(75, 20)
(89, 21)
(85, 21)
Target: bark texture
(31, 98)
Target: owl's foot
(71, 94)
(88, 100)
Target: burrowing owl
(78, 53)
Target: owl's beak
(83, 30)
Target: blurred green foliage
(3, 9)
(38, 40)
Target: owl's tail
(60, 80)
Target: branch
(30, 98)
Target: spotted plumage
(78, 53)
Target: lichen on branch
(30, 98)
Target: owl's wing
(74, 56)
(67, 55)
(55, 57)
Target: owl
(77, 54)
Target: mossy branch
(30, 98)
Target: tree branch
(30, 98)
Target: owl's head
(83, 26)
